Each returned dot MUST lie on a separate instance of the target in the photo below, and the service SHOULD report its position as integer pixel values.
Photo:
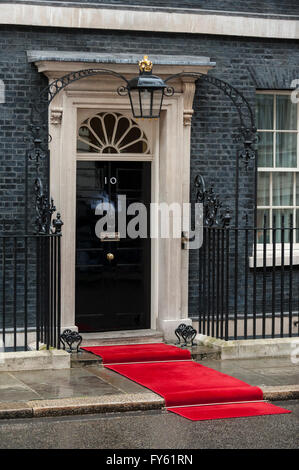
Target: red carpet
(139, 353)
(188, 383)
(242, 410)
(184, 383)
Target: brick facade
(247, 64)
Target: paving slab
(260, 372)
(14, 390)
(66, 383)
(118, 381)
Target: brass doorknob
(110, 256)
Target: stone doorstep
(200, 353)
(249, 348)
(113, 403)
(85, 359)
(121, 337)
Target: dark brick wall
(283, 7)
(246, 63)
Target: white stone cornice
(154, 21)
(57, 67)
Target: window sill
(269, 257)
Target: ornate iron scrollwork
(168, 91)
(44, 206)
(178, 332)
(226, 217)
(57, 224)
(59, 84)
(240, 102)
(122, 90)
(247, 132)
(43, 203)
(249, 138)
(40, 139)
(70, 337)
(44, 209)
(211, 204)
(187, 333)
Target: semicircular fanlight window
(111, 133)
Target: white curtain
(280, 183)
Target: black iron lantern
(146, 92)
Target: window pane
(282, 189)
(297, 226)
(264, 111)
(145, 99)
(261, 220)
(265, 149)
(263, 189)
(279, 216)
(86, 137)
(286, 150)
(157, 99)
(135, 102)
(297, 190)
(286, 113)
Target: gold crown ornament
(145, 65)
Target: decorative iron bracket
(69, 337)
(187, 333)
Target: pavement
(155, 429)
(88, 387)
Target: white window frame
(270, 207)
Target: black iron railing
(30, 288)
(249, 282)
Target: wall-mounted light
(146, 92)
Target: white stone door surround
(170, 156)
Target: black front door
(112, 277)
